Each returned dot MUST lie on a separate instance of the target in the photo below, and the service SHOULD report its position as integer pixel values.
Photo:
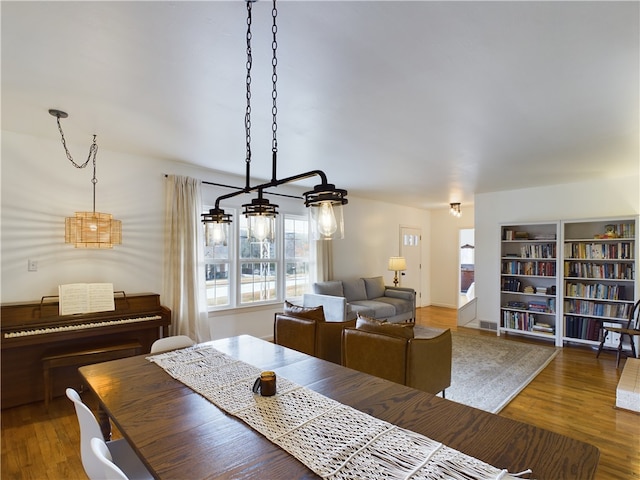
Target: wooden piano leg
(105, 423)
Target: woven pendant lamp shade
(93, 230)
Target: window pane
(217, 275)
(296, 253)
(250, 248)
(258, 281)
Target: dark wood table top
(179, 434)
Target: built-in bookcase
(562, 281)
(529, 280)
(599, 283)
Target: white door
(410, 249)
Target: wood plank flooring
(575, 396)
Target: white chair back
(171, 343)
(89, 428)
(110, 471)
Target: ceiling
(417, 103)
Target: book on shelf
(538, 307)
(85, 298)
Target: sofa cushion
(374, 286)
(333, 288)
(310, 313)
(379, 309)
(400, 305)
(404, 330)
(354, 289)
(355, 310)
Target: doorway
(467, 266)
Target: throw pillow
(310, 313)
(354, 289)
(375, 287)
(368, 324)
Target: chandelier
(89, 229)
(325, 201)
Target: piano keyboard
(80, 326)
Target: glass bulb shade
(397, 264)
(93, 230)
(327, 221)
(261, 227)
(216, 233)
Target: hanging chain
(93, 149)
(274, 79)
(247, 115)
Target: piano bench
(87, 356)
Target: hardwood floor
(575, 396)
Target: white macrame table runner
(334, 440)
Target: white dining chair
(121, 452)
(171, 343)
(103, 456)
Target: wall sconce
(397, 264)
(454, 209)
(89, 229)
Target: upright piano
(31, 331)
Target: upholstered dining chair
(631, 330)
(171, 343)
(103, 456)
(121, 452)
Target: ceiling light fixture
(89, 229)
(455, 210)
(325, 201)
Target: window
(242, 271)
(296, 256)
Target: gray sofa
(342, 300)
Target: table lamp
(397, 264)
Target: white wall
(39, 188)
(445, 269)
(608, 197)
(372, 235)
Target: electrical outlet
(32, 265)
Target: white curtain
(324, 260)
(184, 283)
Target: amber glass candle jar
(268, 384)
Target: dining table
(180, 434)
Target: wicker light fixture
(325, 201)
(89, 229)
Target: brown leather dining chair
(630, 330)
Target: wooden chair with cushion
(305, 329)
(390, 351)
(630, 330)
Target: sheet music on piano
(85, 298)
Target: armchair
(309, 333)
(421, 363)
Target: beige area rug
(487, 373)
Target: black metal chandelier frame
(325, 192)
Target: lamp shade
(397, 264)
(93, 230)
